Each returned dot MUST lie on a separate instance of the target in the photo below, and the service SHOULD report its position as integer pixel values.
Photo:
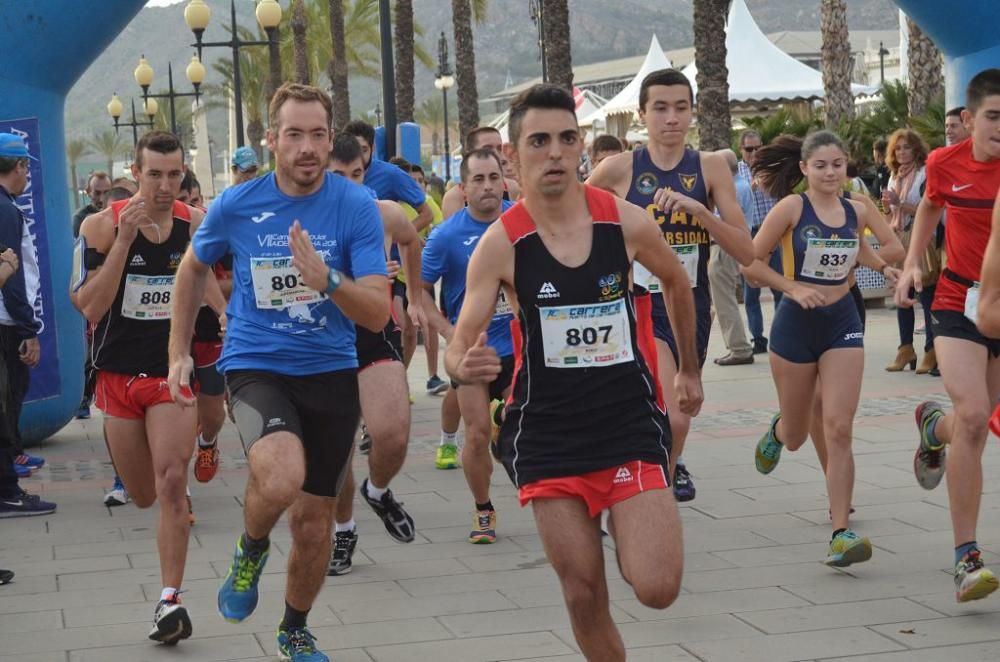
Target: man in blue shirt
(446, 257)
(308, 264)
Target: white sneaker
(117, 496)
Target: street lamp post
(882, 52)
(115, 109)
(197, 15)
(378, 114)
(195, 73)
(538, 18)
(388, 78)
(443, 81)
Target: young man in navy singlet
(680, 188)
(583, 431)
(133, 250)
(308, 264)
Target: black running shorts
(500, 384)
(322, 410)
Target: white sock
(449, 438)
(345, 526)
(680, 460)
(168, 593)
(374, 492)
(204, 443)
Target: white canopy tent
(618, 112)
(759, 70)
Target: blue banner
(45, 380)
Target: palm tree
(254, 81)
(75, 150)
(300, 23)
(404, 60)
(108, 144)
(558, 59)
(465, 66)
(337, 69)
(713, 77)
(430, 114)
(925, 69)
(836, 62)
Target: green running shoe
(847, 548)
(447, 457)
(298, 645)
(768, 450)
(973, 581)
(928, 461)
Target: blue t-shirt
(390, 183)
(276, 323)
(446, 257)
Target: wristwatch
(332, 282)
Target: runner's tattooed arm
(645, 246)
(468, 359)
(988, 311)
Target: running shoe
(768, 450)
(5, 577)
(484, 527)
(447, 457)
(365, 446)
(436, 385)
(83, 413)
(23, 470)
(23, 504)
(171, 622)
(344, 543)
(206, 464)
(847, 548)
(683, 485)
(928, 461)
(298, 645)
(238, 594)
(397, 521)
(117, 496)
(32, 461)
(973, 581)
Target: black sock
(251, 545)
(485, 506)
(836, 533)
(293, 618)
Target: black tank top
(132, 336)
(583, 397)
(685, 234)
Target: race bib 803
(277, 284)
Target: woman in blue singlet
(817, 335)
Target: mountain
(505, 44)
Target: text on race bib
(586, 336)
(147, 297)
(829, 259)
(972, 303)
(277, 284)
(688, 254)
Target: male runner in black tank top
(133, 250)
(583, 430)
(665, 107)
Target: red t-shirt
(966, 188)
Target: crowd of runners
(575, 316)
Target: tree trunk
(337, 71)
(714, 123)
(299, 26)
(836, 62)
(255, 134)
(404, 61)
(465, 67)
(75, 185)
(558, 58)
(925, 67)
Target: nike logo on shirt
(956, 189)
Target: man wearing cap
(245, 165)
(19, 329)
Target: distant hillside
(505, 43)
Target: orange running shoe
(206, 463)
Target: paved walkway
(754, 587)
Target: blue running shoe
(31, 461)
(298, 645)
(238, 594)
(23, 470)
